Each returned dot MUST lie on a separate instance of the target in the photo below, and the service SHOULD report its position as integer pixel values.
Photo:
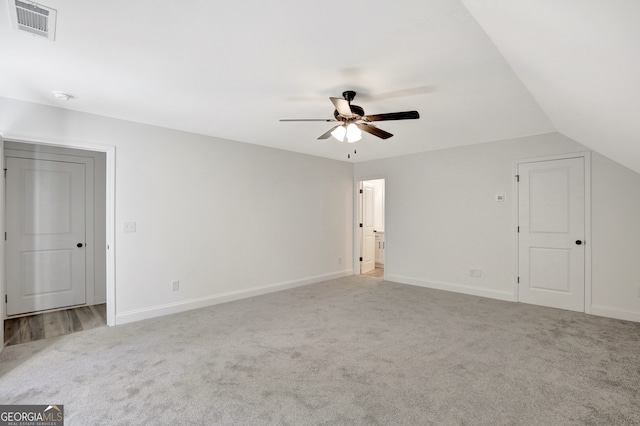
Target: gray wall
(226, 219)
(442, 220)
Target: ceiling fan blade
(406, 115)
(327, 135)
(308, 119)
(374, 130)
(343, 107)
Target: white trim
(609, 312)
(357, 208)
(110, 239)
(587, 234)
(201, 302)
(568, 155)
(516, 213)
(3, 288)
(110, 151)
(586, 156)
(456, 288)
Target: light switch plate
(129, 227)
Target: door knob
(79, 245)
(578, 242)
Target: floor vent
(33, 18)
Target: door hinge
(360, 225)
(518, 229)
(5, 173)
(518, 280)
(5, 298)
(517, 178)
(360, 190)
(360, 259)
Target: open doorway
(54, 194)
(371, 226)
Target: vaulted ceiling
(476, 70)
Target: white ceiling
(581, 62)
(509, 68)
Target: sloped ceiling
(581, 62)
(233, 69)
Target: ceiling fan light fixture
(339, 133)
(353, 133)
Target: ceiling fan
(353, 120)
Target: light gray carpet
(356, 350)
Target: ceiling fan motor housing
(349, 95)
(355, 109)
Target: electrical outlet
(175, 285)
(129, 227)
(475, 273)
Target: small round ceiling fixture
(62, 96)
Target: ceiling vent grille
(33, 18)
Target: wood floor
(377, 273)
(53, 324)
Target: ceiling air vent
(33, 18)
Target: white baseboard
(215, 299)
(457, 288)
(609, 312)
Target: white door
(45, 254)
(551, 210)
(368, 263)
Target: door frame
(357, 219)
(110, 151)
(586, 156)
